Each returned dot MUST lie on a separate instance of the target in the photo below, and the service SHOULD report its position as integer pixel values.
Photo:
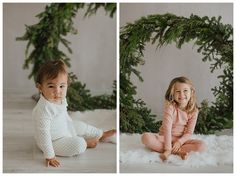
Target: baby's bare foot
(107, 134)
(92, 143)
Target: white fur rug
(100, 118)
(219, 152)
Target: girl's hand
(176, 147)
(52, 162)
(164, 156)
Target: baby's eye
(62, 86)
(50, 86)
(186, 90)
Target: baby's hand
(164, 156)
(52, 162)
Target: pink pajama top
(177, 125)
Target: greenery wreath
(214, 41)
(55, 23)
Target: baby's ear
(39, 86)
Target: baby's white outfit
(56, 133)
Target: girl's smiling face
(182, 94)
(54, 90)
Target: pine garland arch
(55, 22)
(214, 41)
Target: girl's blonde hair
(51, 70)
(169, 96)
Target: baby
(55, 132)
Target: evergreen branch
(44, 39)
(214, 42)
(56, 21)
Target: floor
(20, 155)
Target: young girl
(180, 116)
(55, 132)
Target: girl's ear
(192, 91)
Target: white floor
(20, 155)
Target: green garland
(215, 43)
(55, 23)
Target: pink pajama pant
(155, 142)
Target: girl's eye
(62, 86)
(50, 86)
(185, 90)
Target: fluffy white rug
(219, 152)
(100, 118)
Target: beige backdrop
(94, 48)
(164, 64)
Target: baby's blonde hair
(169, 96)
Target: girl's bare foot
(164, 156)
(182, 154)
(107, 134)
(92, 143)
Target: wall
(162, 65)
(94, 48)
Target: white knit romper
(56, 133)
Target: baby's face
(54, 90)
